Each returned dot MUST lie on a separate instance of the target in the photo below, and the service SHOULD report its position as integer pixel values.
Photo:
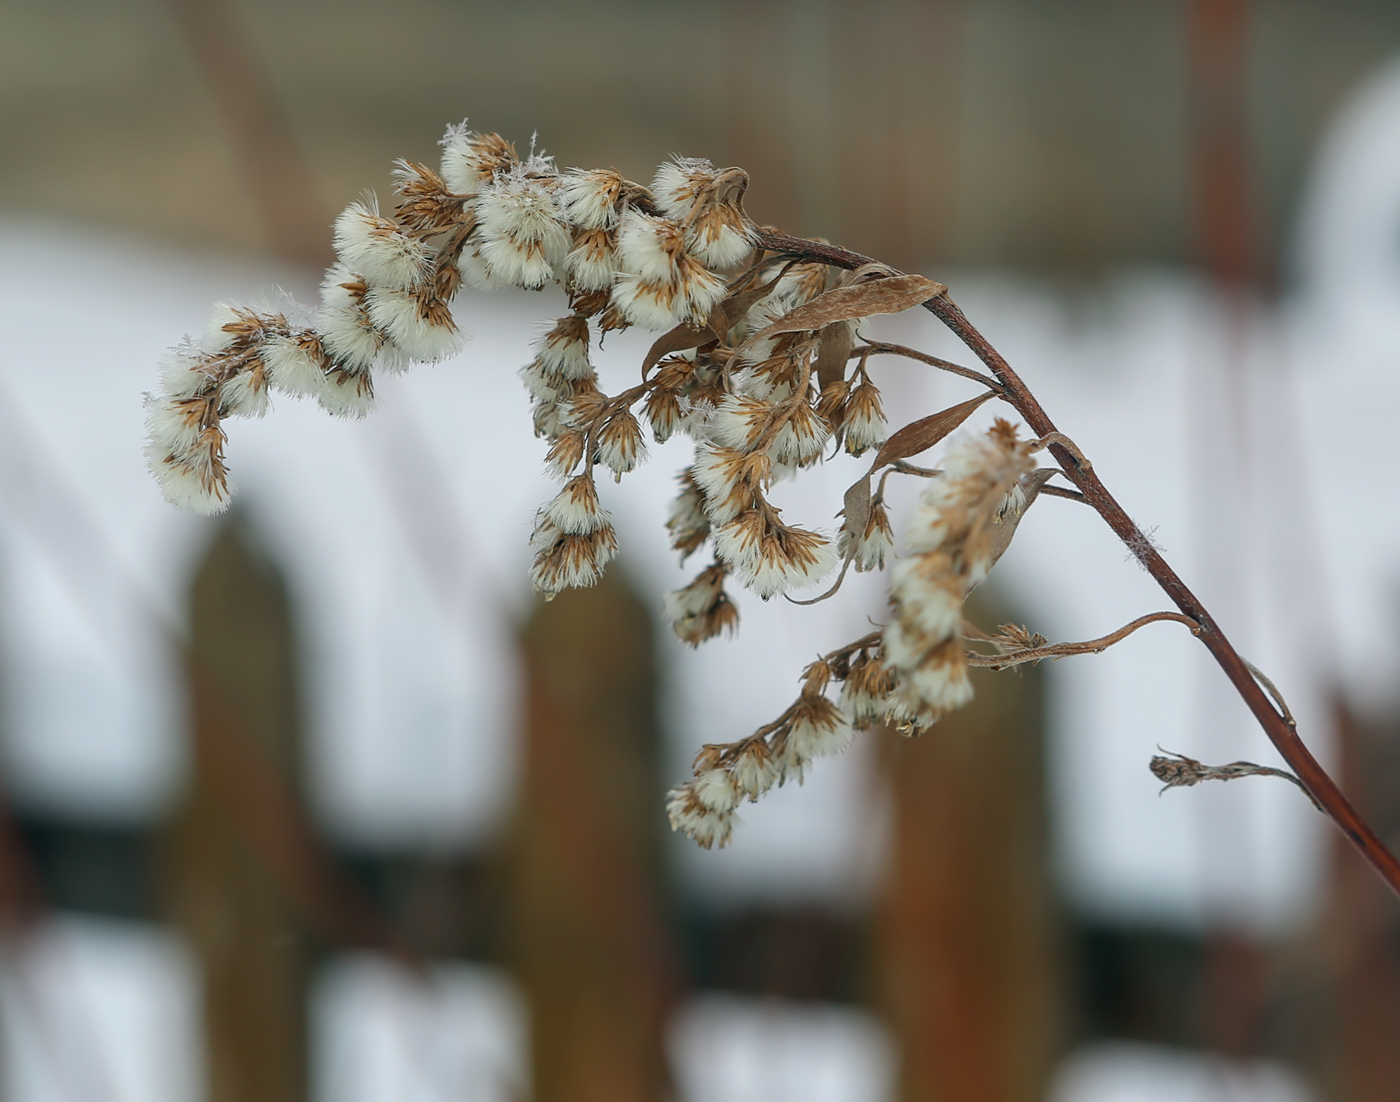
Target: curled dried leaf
(892, 295)
(924, 433)
(833, 350)
(684, 337)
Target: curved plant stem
(1311, 776)
(1007, 659)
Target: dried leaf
(924, 433)
(833, 351)
(879, 296)
(1030, 485)
(857, 505)
(683, 337)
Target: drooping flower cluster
(726, 775)
(759, 362)
(487, 218)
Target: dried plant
(762, 362)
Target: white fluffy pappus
(347, 394)
(755, 770)
(727, 477)
(292, 369)
(180, 372)
(647, 303)
(818, 731)
(679, 182)
(708, 829)
(186, 487)
(575, 509)
(932, 606)
(172, 427)
(592, 263)
(716, 790)
(770, 558)
(524, 237)
(650, 247)
(562, 350)
(591, 197)
(400, 315)
(721, 245)
(244, 395)
(378, 249)
(469, 159)
(216, 338)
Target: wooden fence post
(250, 951)
(966, 931)
(585, 931)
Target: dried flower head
(949, 544)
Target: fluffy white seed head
(172, 427)
(730, 479)
(709, 829)
(819, 729)
(575, 509)
(592, 197)
(716, 790)
(647, 303)
(181, 372)
(470, 159)
(772, 558)
(423, 331)
(869, 549)
(755, 770)
(187, 487)
(570, 561)
(650, 248)
(524, 237)
(378, 249)
(863, 425)
(477, 273)
(184, 451)
(244, 394)
(592, 263)
(347, 394)
(295, 364)
(687, 522)
(707, 201)
(216, 337)
(679, 183)
(561, 353)
(344, 325)
(621, 447)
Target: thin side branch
(1023, 655)
(1063, 491)
(876, 348)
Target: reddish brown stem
(1312, 777)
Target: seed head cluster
(759, 362)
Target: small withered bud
(1179, 771)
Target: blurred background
(315, 800)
